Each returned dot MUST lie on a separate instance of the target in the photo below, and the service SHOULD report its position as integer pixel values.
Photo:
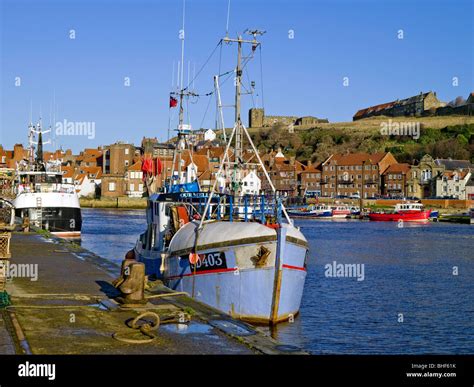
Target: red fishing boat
(406, 212)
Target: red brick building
(310, 180)
(354, 174)
(284, 173)
(394, 180)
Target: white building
(209, 135)
(453, 183)
(134, 181)
(251, 184)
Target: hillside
(440, 136)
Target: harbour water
(416, 295)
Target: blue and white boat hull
(248, 270)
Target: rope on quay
(147, 329)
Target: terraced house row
(379, 174)
(122, 169)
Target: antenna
(182, 45)
(254, 33)
(189, 67)
(228, 17)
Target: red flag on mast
(173, 102)
(159, 166)
(147, 166)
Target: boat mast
(238, 78)
(181, 143)
(238, 92)
(219, 125)
(181, 94)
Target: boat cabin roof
(409, 206)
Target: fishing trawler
(41, 194)
(238, 253)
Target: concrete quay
(63, 303)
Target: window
(126, 151)
(112, 186)
(132, 187)
(140, 187)
(126, 163)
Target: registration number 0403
(207, 261)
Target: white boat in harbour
(341, 211)
(238, 253)
(41, 194)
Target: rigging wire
(204, 65)
(205, 113)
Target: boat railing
(46, 188)
(246, 208)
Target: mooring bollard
(131, 282)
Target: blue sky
(301, 76)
